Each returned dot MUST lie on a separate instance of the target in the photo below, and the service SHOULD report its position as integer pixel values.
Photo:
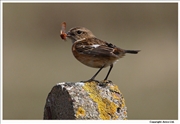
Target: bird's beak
(68, 34)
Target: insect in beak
(63, 34)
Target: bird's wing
(98, 48)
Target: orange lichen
(80, 112)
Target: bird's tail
(132, 51)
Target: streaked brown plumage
(94, 52)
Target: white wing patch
(95, 45)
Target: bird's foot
(90, 80)
(104, 82)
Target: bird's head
(79, 33)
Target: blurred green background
(35, 58)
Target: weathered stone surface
(90, 100)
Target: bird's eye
(79, 32)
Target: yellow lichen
(115, 89)
(115, 95)
(80, 112)
(107, 109)
(123, 103)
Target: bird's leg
(93, 78)
(105, 81)
(97, 73)
(111, 66)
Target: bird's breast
(92, 60)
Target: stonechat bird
(94, 52)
